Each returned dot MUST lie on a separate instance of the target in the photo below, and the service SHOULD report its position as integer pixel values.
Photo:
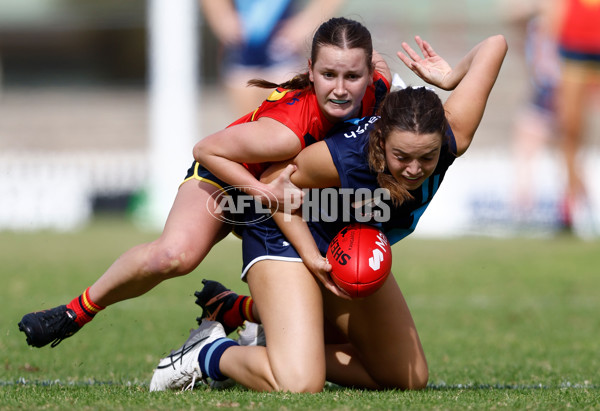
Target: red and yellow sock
(84, 308)
(240, 312)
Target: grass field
(505, 323)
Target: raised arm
(466, 104)
(471, 80)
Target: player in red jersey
(337, 86)
(346, 78)
(312, 333)
(261, 39)
(577, 24)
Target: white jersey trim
(268, 257)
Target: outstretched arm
(471, 80)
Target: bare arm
(297, 30)
(264, 140)
(471, 80)
(466, 104)
(381, 66)
(223, 20)
(314, 169)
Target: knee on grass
(312, 386)
(301, 381)
(413, 379)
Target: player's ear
(311, 76)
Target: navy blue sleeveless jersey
(359, 199)
(368, 203)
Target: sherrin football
(361, 259)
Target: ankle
(85, 309)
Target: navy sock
(210, 355)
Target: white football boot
(252, 334)
(181, 370)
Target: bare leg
(370, 343)
(189, 234)
(290, 303)
(532, 130)
(571, 103)
(384, 349)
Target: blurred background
(84, 103)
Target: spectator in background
(535, 123)
(577, 30)
(262, 39)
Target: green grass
(505, 323)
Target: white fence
(48, 190)
(55, 191)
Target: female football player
(261, 39)
(314, 332)
(577, 33)
(345, 79)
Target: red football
(361, 259)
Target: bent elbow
(200, 151)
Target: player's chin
(412, 184)
(340, 112)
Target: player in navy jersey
(345, 78)
(314, 331)
(395, 218)
(361, 198)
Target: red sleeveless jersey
(299, 111)
(580, 26)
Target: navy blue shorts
(236, 204)
(583, 57)
(265, 241)
(198, 172)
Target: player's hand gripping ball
(361, 259)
